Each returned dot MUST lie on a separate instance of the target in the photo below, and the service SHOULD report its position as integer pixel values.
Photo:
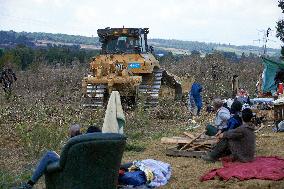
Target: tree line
(23, 56)
(31, 38)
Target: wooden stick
(188, 134)
(175, 140)
(261, 127)
(195, 147)
(185, 146)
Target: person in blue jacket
(195, 95)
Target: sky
(235, 22)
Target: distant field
(11, 38)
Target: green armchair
(89, 161)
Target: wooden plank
(185, 146)
(197, 146)
(175, 140)
(189, 135)
(261, 127)
(178, 153)
(185, 140)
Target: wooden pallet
(189, 146)
(185, 153)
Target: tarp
(265, 168)
(271, 67)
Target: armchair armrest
(53, 167)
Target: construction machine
(126, 64)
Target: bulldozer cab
(123, 40)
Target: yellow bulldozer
(126, 64)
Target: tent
(271, 67)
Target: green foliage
(1, 52)
(9, 179)
(134, 147)
(23, 57)
(169, 110)
(27, 38)
(280, 26)
(40, 137)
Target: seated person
(52, 156)
(235, 119)
(239, 143)
(221, 118)
(243, 97)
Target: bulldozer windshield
(123, 44)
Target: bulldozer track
(151, 86)
(95, 96)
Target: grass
(37, 116)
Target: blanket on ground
(265, 168)
(114, 120)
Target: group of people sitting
(234, 132)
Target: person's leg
(198, 103)
(48, 158)
(220, 150)
(211, 130)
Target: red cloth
(265, 168)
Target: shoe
(25, 186)
(208, 159)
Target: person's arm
(200, 88)
(224, 116)
(231, 124)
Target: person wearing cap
(239, 143)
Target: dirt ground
(187, 171)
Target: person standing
(194, 97)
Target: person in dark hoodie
(239, 143)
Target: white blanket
(114, 120)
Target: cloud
(225, 21)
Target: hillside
(39, 39)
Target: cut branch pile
(189, 145)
